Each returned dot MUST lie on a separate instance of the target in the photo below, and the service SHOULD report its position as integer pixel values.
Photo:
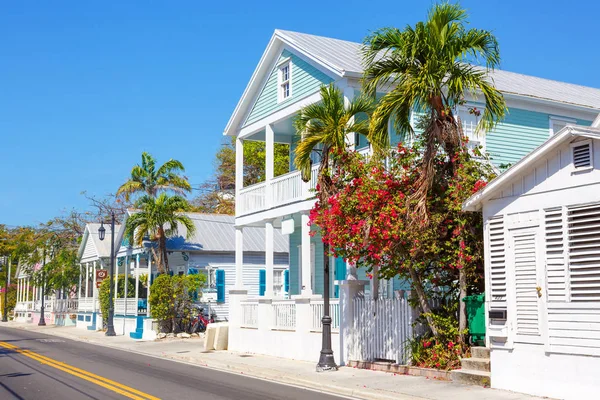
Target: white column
(18, 290)
(87, 279)
(239, 172)
(126, 283)
(269, 258)
(149, 281)
(137, 282)
(348, 97)
(239, 257)
(79, 285)
(116, 277)
(306, 259)
(27, 289)
(269, 164)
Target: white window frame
(473, 141)
(582, 143)
(281, 82)
(552, 120)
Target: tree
(324, 127)
(369, 220)
(158, 219)
(430, 67)
(145, 178)
(218, 193)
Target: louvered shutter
(584, 252)
(497, 264)
(527, 301)
(220, 278)
(286, 281)
(262, 282)
(582, 155)
(555, 254)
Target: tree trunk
(423, 304)
(462, 307)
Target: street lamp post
(326, 360)
(110, 330)
(5, 302)
(43, 309)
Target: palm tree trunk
(422, 298)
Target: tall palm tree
(429, 68)
(159, 218)
(146, 178)
(324, 128)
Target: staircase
(139, 329)
(475, 370)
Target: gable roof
(216, 233)
(102, 246)
(566, 134)
(344, 59)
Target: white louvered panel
(584, 252)
(582, 155)
(525, 284)
(555, 255)
(497, 263)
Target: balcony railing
(285, 189)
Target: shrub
(171, 300)
(104, 293)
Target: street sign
(101, 274)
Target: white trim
(473, 203)
(552, 119)
(281, 82)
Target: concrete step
(476, 364)
(470, 377)
(480, 352)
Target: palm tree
(323, 128)
(159, 218)
(429, 67)
(145, 178)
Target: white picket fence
(317, 308)
(381, 330)
(284, 315)
(249, 315)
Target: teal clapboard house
(288, 76)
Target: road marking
(50, 340)
(80, 373)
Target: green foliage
(146, 178)
(158, 219)
(171, 299)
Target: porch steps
(139, 329)
(475, 370)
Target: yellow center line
(80, 373)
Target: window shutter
(220, 277)
(525, 261)
(286, 281)
(262, 282)
(497, 263)
(555, 255)
(582, 155)
(584, 252)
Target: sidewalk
(362, 384)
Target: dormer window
(582, 155)
(285, 80)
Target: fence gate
(381, 329)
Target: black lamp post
(326, 360)
(43, 309)
(5, 302)
(110, 329)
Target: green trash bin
(476, 318)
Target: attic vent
(582, 155)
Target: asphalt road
(38, 366)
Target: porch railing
(252, 198)
(86, 304)
(249, 315)
(284, 315)
(131, 309)
(317, 308)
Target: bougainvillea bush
(371, 222)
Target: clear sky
(86, 86)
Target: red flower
(450, 345)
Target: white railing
(284, 315)
(72, 304)
(24, 306)
(131, 309)
(86, 304)
(314, 177)
(249, 315)
(381, 330)
(287, 188)
(316, 310)
(252, 198)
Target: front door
(527, 274)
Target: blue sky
(85, 86)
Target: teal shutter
(339, 274)
(220, 277)
(286, 281)
(262, 282)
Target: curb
(359, 393)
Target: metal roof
(345, 57)
(102, 246)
